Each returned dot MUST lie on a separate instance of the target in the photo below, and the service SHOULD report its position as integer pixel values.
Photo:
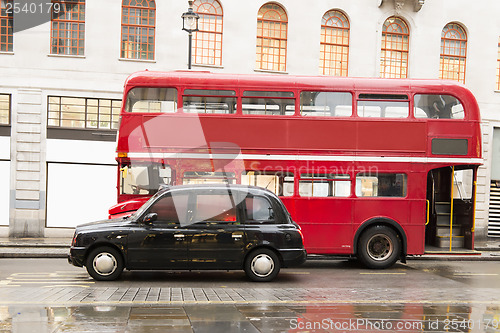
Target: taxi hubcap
(105, 263)
(262, 265)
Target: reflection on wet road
(253, 318)
(47, 295)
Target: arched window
(453, 53)
(334, 52)
(138, 29)
(67, 27)
(207, 42)
(395, 45)
(272, 26)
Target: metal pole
(189, 51)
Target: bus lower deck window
(381, 185)
(324, 185)
(279, 183)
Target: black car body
(193, 227)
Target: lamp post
(190, 24)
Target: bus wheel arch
(380, 242)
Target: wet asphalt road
(48, 295)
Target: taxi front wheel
(104, 264)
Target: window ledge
(66, 56)
(7, 52)
(208, 66)
(137, 60)
(269, 71)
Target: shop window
(80, 112)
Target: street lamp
(190, 24)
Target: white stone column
(28, 166)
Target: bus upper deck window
(325, 104)
(209, 101)
(152, 100)
(383, 106)
(268, 103)
(438, 107)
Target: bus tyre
(262, 265)
(104, 264)
(379, 247)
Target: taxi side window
(171, 209)
(259, 210)
(214, 207)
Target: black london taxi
(194, 227)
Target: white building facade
(57, 172)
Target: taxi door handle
(237, 236)
(179, 237)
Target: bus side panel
(397, 210)
(389, 135)
(326, 224)
(416, 228)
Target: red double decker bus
(373, 168)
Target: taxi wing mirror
(150, 218)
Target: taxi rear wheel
(104, 264)
(262, 265)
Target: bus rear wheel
(379, 247)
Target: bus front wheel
(379, 247)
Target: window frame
(464, 112)
(247, 220)
(267, 39)
(66, 49)
(397, 57)
(280, 185)
(314, 116)
(458, 36)
(7, 22)
(384, 98)
(86, 119)
(135, 53)
(334, 24)
(330, 179)
(498, 66)
(9, 110)
(207, 36)
(208, 96)
(377, 175)
(234, 198)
